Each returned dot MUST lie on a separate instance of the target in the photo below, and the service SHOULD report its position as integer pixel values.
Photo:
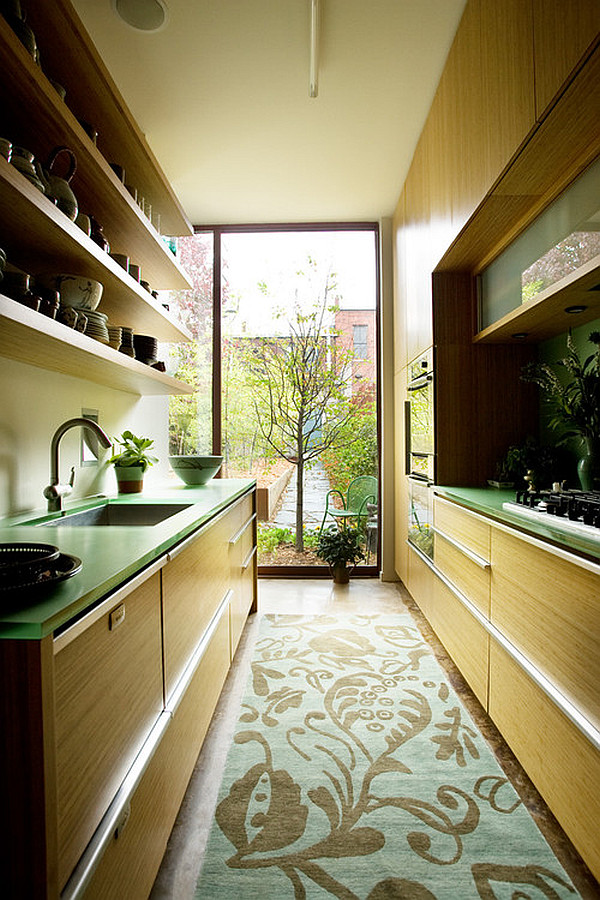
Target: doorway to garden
(284, 359)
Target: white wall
(35, 402)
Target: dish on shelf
(78, 291)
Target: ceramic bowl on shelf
(196, 469)
(75, 290)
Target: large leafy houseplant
(575, 400)
(339, 547)
(131, 459)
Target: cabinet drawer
(194, 583)
(108, 691)
(562, 764)
(130, 863)
(239, 607)
(420, 581)
(466, 641)
(463, 526)
(468, 576)
(549, 608)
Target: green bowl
(196, 469)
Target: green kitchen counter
(489, 501)
(111, 554)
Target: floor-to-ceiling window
(285, 331)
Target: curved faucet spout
(55, 490)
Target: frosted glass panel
(562, 239)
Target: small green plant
(529, 457)
(339, 546)
(270, 537)
(311, 538)
(133, 452)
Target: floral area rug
(356, 772)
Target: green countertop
(110, 554)
(488, 502)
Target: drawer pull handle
(474, 557)
(116, 617)
(123, 820)
(233, 540)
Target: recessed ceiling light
(520, 335)
(574, 310)
(143, 15)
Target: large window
(291, 357)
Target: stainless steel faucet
(55, 490)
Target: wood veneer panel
(27, 787)
(562, 764)
(466, 641)
(563, 37)
(108, 695)
(33, 338)
(470, 579)
(130, 863)
(548, 608)
(471, 531)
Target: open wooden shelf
(35, 117)
(69, 57)
(40, 239)
(33, 338)
(544, 316)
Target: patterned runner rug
(356, 772)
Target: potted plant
(575, 402)
(529, 461)
(340, 547)
(131, 461)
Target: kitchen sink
(119, 514)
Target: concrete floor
(176, 879)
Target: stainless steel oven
(419, 413)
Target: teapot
(56, 188)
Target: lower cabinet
(102, 723)
(130, 862)
(520, 618)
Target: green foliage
(356, 452)
(529, 457)
(270, 537)
(340, 545)
(133, 452)
(575, 402)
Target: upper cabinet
(564, 34)
(40, 239)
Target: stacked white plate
(96, 326)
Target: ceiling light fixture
(520, 335)
(143, 15)
(574, 310)
(315, 16)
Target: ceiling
(222, 94)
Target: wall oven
(419, 413)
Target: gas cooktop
(567, 510)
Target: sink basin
(120, 514)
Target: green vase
(587, 467)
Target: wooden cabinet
(102, 722)
(108, 695)
(524, 633)
(563, 35)
(40, 239)
(130, 863)
(547, 604)
(562, 763)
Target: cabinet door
(466, 641)
(242, 559)
(108, 695)
(562, 764)
(129, 865)
(563, 34)
(547, 606)
(194, 584)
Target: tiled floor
(177, 877)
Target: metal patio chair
(361, 491)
